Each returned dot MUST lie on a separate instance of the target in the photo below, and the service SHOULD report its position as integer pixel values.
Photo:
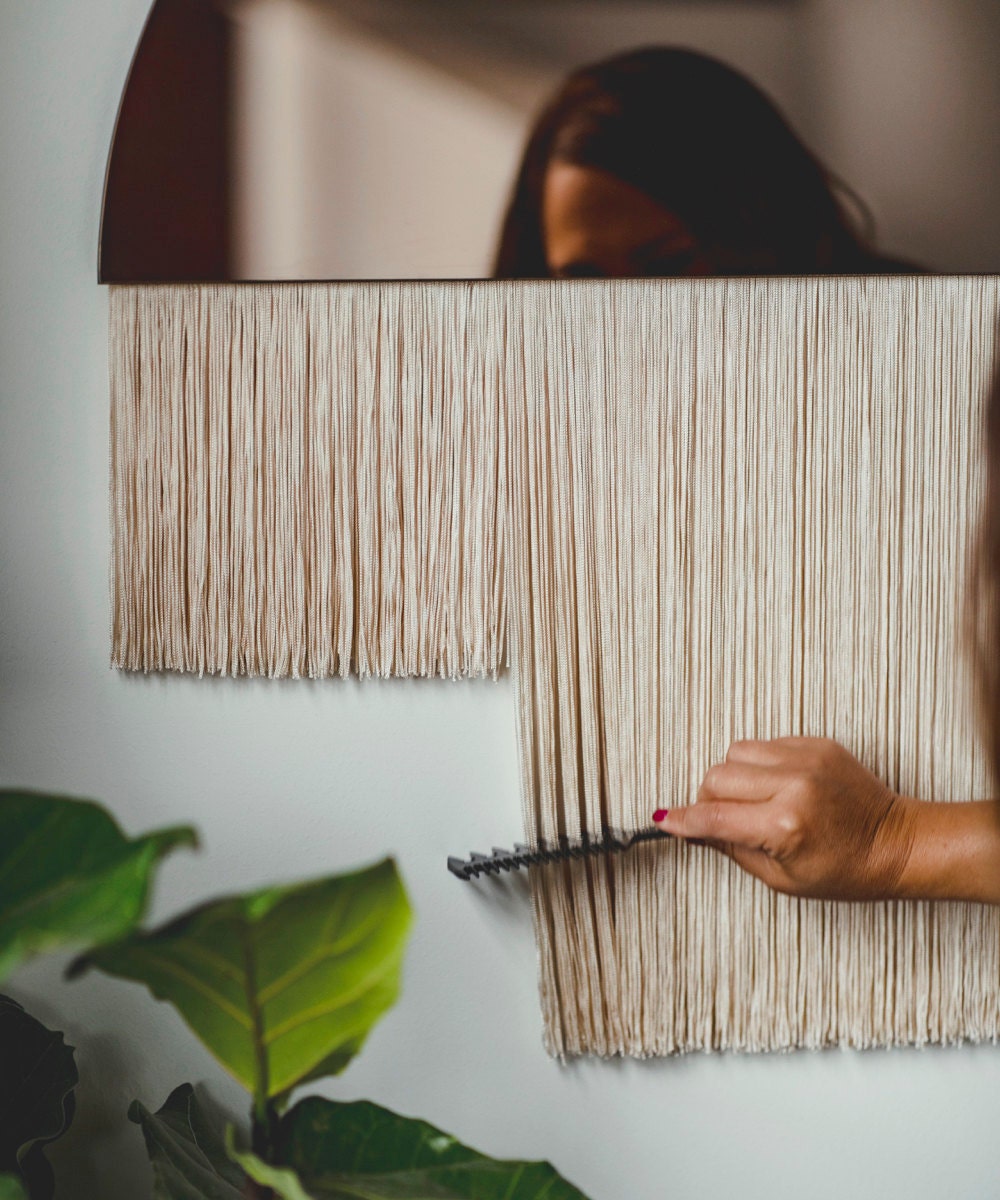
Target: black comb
(588, 846)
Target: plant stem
(262, 1128)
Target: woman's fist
(804, 816)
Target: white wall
(290, 780)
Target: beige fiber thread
(307, 480)
(719, 509)
(743, 509)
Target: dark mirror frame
(166, 193)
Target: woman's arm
(955, 853)
(807, 818)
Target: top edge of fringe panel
(565, 284)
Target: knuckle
(827, 752)
(752, 750)
(789, 822)
(789, 830)
(713, 777)
(805, 787)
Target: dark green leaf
(362, 1152)
(69, 876)
(189, 1160)
(11, 1188)
(281, 985)
(37, 1078)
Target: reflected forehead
(587, 211)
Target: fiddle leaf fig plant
(356, 1151)
(281, 985)
(69, 876)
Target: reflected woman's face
(596, 225)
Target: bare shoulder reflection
(665, 162)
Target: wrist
(952, 851)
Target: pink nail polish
(660, 815)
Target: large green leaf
(281, 985)
(363, 1152)
(189, 1159)
(11, 1188)
(68, 875)
(37, 1078)
(333, 1151)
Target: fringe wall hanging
(307, 480)
(743, 509)
(705, 509)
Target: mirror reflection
(367, 139)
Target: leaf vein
(327, 950)
(324, 1010)
(198, 985)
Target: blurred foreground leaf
(11, 1188)
(69, 876)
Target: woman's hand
(804, 816)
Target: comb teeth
(527, 856)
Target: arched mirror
(402, 139)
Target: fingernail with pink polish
(660, 815)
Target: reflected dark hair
(703, 141)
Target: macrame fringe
(743, 509)
(307, 480)
(723, 509)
